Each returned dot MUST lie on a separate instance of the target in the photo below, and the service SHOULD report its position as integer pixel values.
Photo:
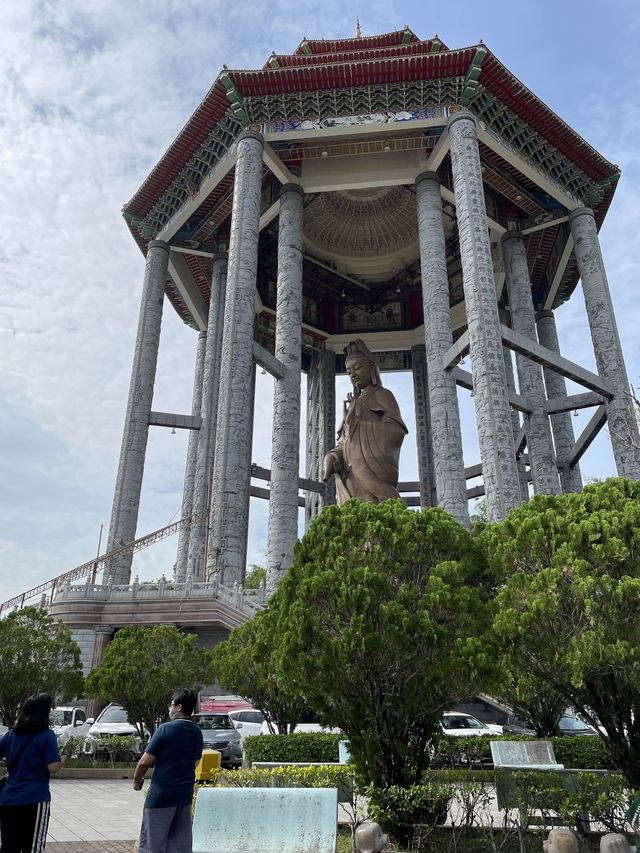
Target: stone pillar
(321, 428)
(563, 436)
(424, 436)
(208, 413)
(285, 435)
(229, 516)
(126, 499)
(495, 437)
(180, 571)
(542, 461)
(448, 461)
(515, 424)
(621, 420)
(104, 633)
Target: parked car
(572, 726)
(247, 721)
(308, 722)
(218, 732)
(569, 726)
(67, 721)
(464, 725)
(112, 721)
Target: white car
(308, 722)
(67, 721)
(112, 721)
(247, 721)
(464, 725)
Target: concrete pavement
(105, 812)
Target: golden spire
(358, 30)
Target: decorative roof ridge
(306, 59)
(527, 92)
(303, 47)
(289, 69)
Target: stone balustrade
(248, 601)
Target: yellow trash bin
(208, 764)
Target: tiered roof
(395, 59)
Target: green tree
(534, 700)
(256, 576)
(382, 621)
(568, 613)
(245, 664)
(142, 666)
(37, 654)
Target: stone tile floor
(103, 813)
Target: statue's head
(361, 364)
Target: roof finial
(358, 30)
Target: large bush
(382, 622)
(568, 612)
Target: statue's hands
(331, 465)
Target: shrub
(408, 813)
(582, 753)
(305, 746)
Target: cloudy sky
(91, 94)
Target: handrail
(92, 567)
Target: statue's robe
(369, 441)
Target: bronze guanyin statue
(365, 459)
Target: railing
(91, 568)
(248, 601)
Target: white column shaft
(499, 470)
(515, 423)
(180, 571)
(424, 435)
(208, 414)
(285, 435)
(542, 460)
(561, 426)
(448, 460)
(321, 428)
(232, 464)
(621, 419)
(126, 499)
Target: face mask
(172, 712)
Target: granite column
(542, 461)
(515, 424)
(180, 570)
(208, 415)
(232, 461)
(321, 428)
(126, 499)
(448, 461)
(424, 431)
(285, 434)
(563, 436)
(621, 419)
(495, 437)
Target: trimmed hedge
(448, 751)
(577, 753)
(304, 746)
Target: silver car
(218, 733)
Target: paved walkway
(96, 811)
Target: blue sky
(91, 95)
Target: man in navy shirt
(173, 752)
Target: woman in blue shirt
(32, 754)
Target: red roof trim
(302, 59)
(499, 81)
(206, 117)
(363, 43)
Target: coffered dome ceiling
(370, 233)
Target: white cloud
(91, 95)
